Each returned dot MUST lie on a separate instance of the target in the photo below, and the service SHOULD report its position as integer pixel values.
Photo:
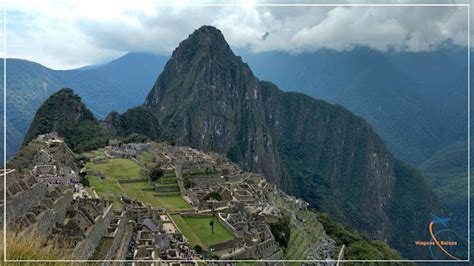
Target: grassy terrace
(123, 169)
(146, 157)
(117, 168)
(95, 153)
(198, 231)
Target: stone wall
(24, 201)
(132, 180)
(118, 236)
(226, 245)
(47, 220)
(229, 227)
(86, 248)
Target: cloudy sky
(69, 34)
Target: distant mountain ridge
(118, 85)
(398, 102)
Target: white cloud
(66, 34)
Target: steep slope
(123, 82)
(396, 92)
(64, 113)
(207, 98)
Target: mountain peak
(208, 30)
(207, 41)
(64, 113)
(207, 35)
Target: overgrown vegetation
(358, 246)
(27, 247)
(135, 138)
(281, 230)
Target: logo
(444, 242)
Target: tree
(85, 182)
(82, 174)
(281, 230)
(211, 223)
(198, 249)
(213, 195)
(135, 138)
(156, 173)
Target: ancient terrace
(104, 206)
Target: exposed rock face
(209, 99)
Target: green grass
(117, 168)
(107, 188)
(94, 153)
(146, 157)
(198, 231)
(110, 188)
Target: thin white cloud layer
(67, 34)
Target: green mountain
(64, 113)
(117, 85)
(207, 98)
(447, 174)
(137, 120)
